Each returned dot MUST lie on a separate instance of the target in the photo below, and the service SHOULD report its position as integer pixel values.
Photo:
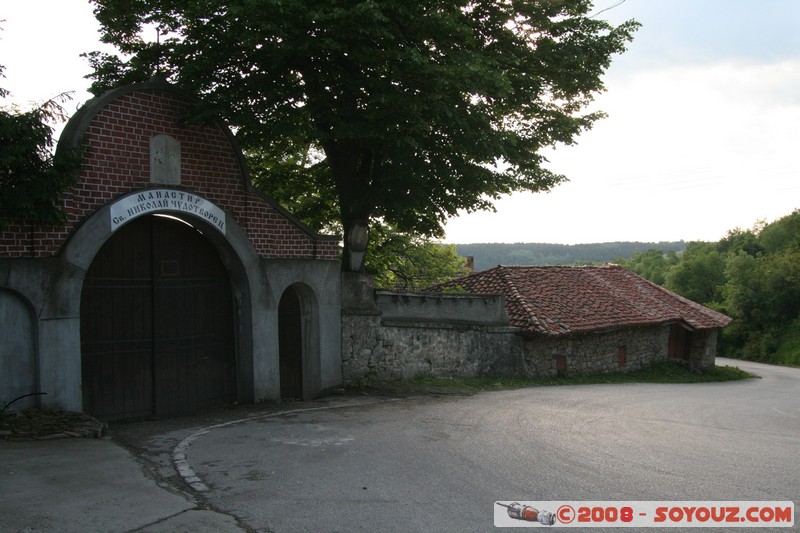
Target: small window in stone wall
(621, 356)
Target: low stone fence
(388, 335)
(389, 349)
(448, 308)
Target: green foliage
(421, 109)
(739, 240)
(762, 293)
(398, 261)
(408, 263)
(753, 276)
(699, 275)
(784, 234)
(455, 289)
(652, 264)
(301, 183)
(32, 180)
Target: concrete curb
(185, 470)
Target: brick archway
(140, 158)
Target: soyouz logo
(726, 514)
(528, 513)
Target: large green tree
(31, 178)
(420, 108)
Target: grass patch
(660, 372)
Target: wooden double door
(157, 323)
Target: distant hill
(489, 255)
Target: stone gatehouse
(173, 285)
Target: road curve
(439, 464)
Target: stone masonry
(387, 337)
(388, 350)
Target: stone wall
(389, 350)
(598, 353)
(482, 310)
(703, 350)
(389, 336)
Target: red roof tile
(562, 300)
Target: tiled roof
(562, 300)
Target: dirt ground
(42, 424)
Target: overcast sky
(702, 133)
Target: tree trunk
(353, 187)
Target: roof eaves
(719, 320)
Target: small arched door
(290, 339)
(18, 369)
(299, 343)
(157, 323)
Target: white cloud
(686, 153)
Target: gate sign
(159, 200)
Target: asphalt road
(440, 463)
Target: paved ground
(420, 464)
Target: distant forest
(489, 255)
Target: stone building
(529, 320)
(173, 285)
(594, 319)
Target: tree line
(751, 275)
(489, 255)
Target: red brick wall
(118, 161)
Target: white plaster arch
(236, 252)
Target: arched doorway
(18, 369)
(157, 323)
(290, 339)
(299, 341)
